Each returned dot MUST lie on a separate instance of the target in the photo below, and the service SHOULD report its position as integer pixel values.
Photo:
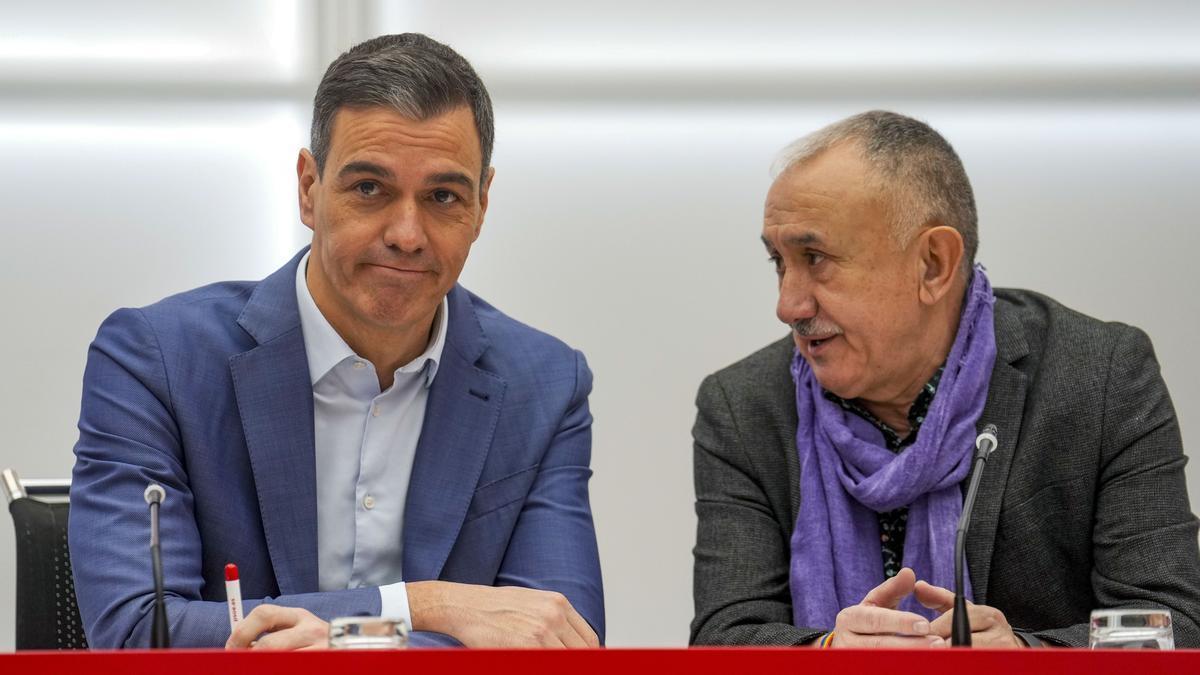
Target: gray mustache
(815, 326)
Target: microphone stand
(960, 630)
(159, 635)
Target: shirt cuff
(393, 603)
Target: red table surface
(621, 661)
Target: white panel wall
(632, 152)
(150, 148)
(142, 152)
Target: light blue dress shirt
(366, 441)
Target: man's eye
(367, 188)
(777, 262)
(444, 197)
(814, 258)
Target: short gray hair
(410, 73)
(913, 162)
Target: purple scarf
(848, 477)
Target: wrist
(428, 603)
(824, 641)
(1027, 639)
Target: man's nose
(405, 227)
(796, 300)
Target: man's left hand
(280, 628)
(989, 628)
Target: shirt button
(882, 537)
(369, 502)
(374, 411)
(359, 365)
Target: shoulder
(520, 352)
(1080, 372)
(1053, 333)
(201, 315)
(757, 384)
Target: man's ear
(307, 177)
(483, 199)
(940, 251)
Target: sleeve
(128, 437)
(742, 553)
(1144, 533)
(553, 544)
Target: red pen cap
(231, 572)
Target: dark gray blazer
(1083, 505)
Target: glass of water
(368, 632)
(1131, 629)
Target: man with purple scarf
(830, 466)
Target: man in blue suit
(357, 432)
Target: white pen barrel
(233, 591)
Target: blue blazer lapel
(274, 397)
(460, 421)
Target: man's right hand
(876, 623)
(506, 616)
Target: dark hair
(410, 73)
(914, 163)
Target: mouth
(818, 345)
(388, 269)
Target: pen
(233, 594)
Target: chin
(391, 318)
(839, 384)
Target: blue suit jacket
(208, 393)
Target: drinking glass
(1131, 629)
(368, 632)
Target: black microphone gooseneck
(960, 632)
(159, 636)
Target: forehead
(382, 133)
(830, 194)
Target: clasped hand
(477, 616)
(877, 623)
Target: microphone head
(988, 436)
(154, 494)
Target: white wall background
(149, 147)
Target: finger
(853, 641)
(582, 628)
(284, 640)
(298, 638)
(934, 597)
(867, 620)
(892, 591)
(262, 619)
(981, 617)
(549, 639)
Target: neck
(387, 348)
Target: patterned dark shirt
(893, 523)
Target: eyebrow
(365, 167)
(805, 239)
(452, 177)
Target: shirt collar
(326, 349)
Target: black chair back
(47, 614)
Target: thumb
(934, 597)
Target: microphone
(159, 637)
(985, 443)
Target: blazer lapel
(460, 422)
(274, 397)
(1005, 407)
